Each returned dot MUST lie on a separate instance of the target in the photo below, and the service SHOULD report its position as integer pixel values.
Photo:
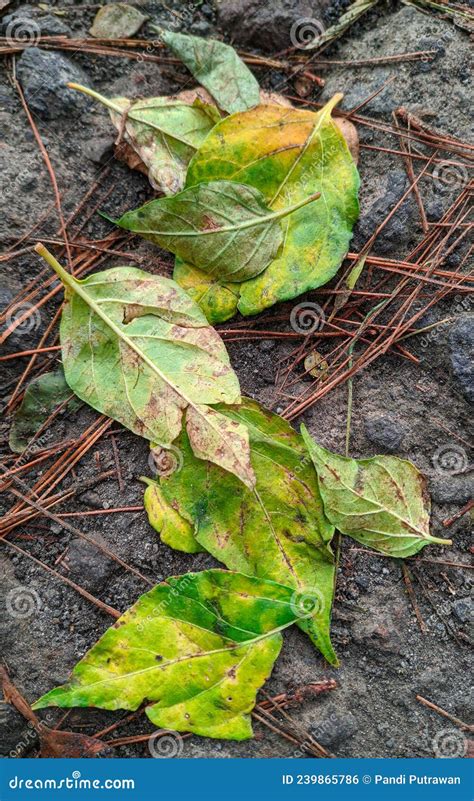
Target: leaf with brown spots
(197, 646)
(223, 228)
(287, 154)
(138, 349)
(381, 502)
(276, 531)
(165, 132)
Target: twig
(440, 711)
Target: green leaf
(223, 228)
(136, 348)
(381, 502)
(42, 396)
(198, 646)
(287, 154)
(218, 68)
(117, 21)
(165, 132)
(277, 531)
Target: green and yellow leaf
(381, 502)
(287, 154)
(198, 646)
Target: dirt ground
(415, 410)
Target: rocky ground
(416, 411)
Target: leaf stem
(96, 96)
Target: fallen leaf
(218, 68)
(42, 397)
(287, 154)
(136, 348)
(349, 132)
(277, 531)
(316, 364)
(222, 227)
(198, 646)
(52, 742)
(381, 502)
(117, 21)
(164, 132)
(125, 153)
(69, 744)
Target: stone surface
(461, 344)
(27, 23)
(44, 77)
(88, 565)
(463, 609)
(17, 738)
(271, 26)
(334, 728)
(385, 432)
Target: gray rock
(89, 565)
(44, 76)
(461, 344)
(385, 432)
(16, 737)
(334, 728)
(447, 488)
(398, 230)
(272, 26)
(462, 609)
(26, 24)
(99, 149)
(200, 28)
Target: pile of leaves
(259, 204)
